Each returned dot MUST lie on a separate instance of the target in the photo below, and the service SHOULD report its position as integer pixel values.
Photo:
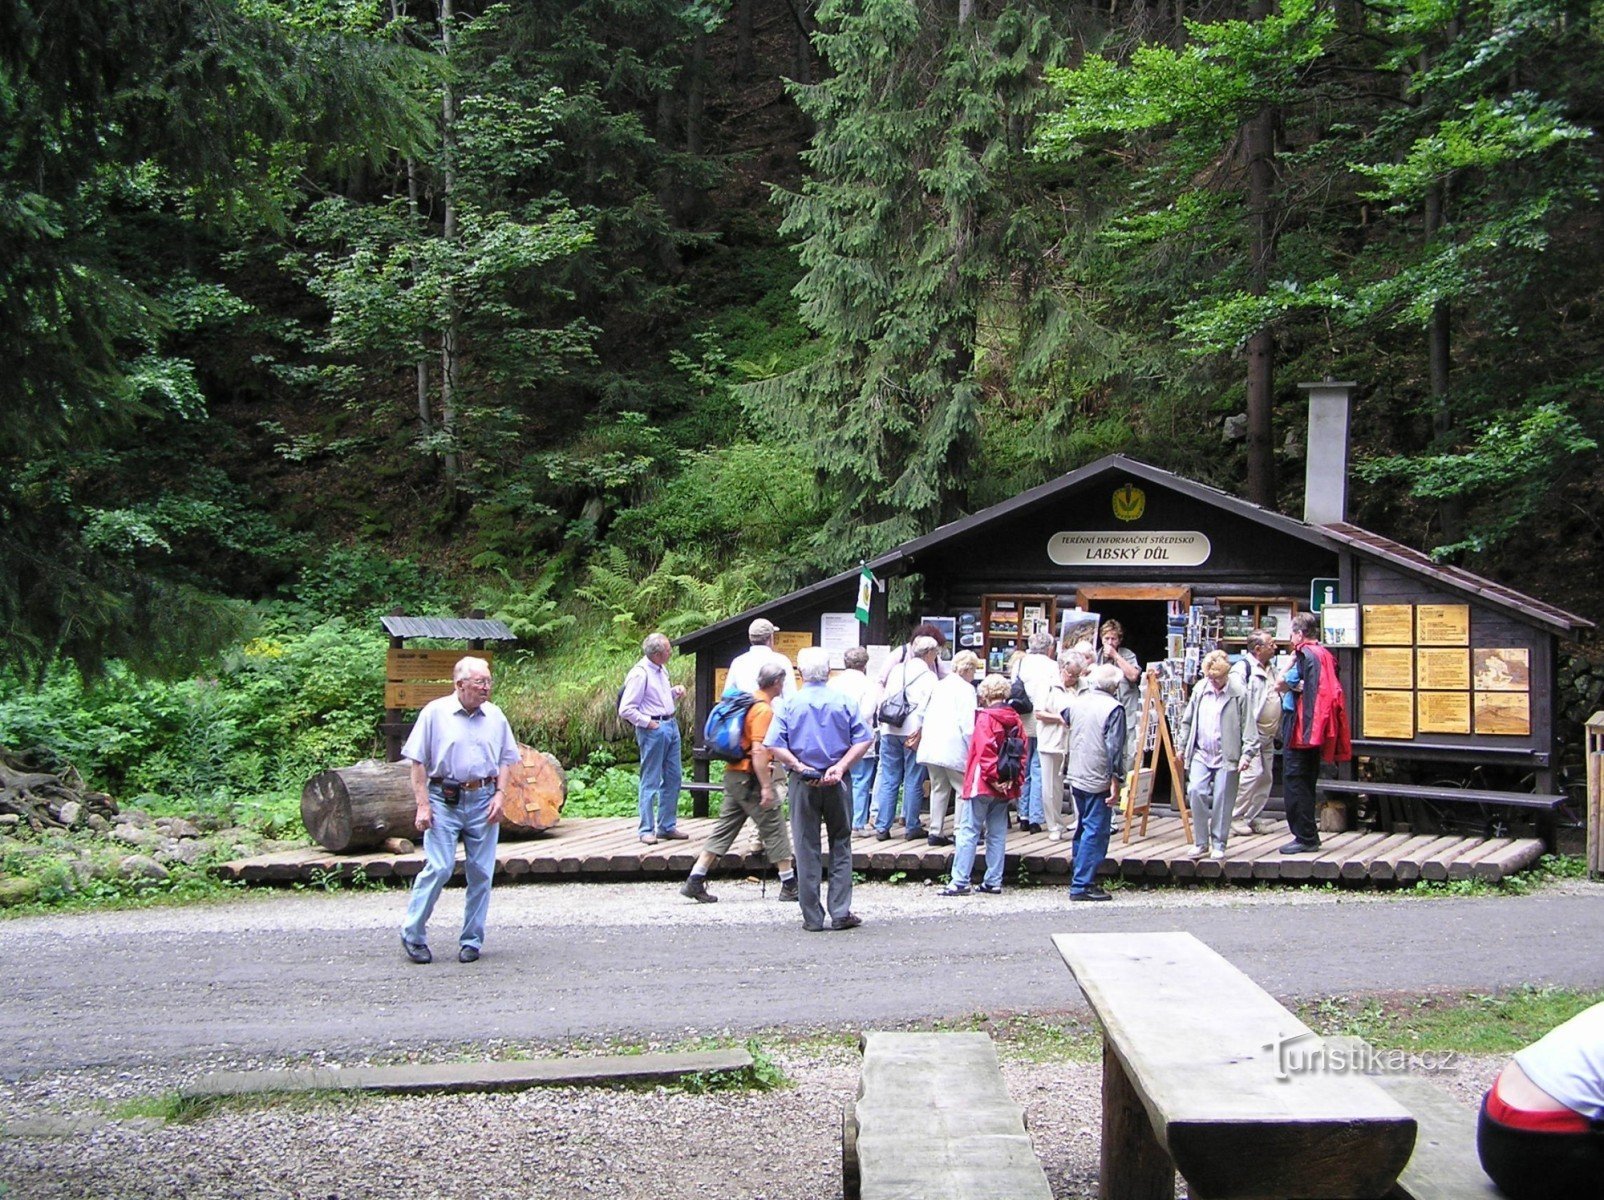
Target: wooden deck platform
(608, 849)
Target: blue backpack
(725, 731)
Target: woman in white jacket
(944, 740)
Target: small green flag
(865, 595)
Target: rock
(140, 866)
(133, 835)
(189, 852)
(137, 817)
(9, 820)
(177, 827)
(70, 812)
(16, 889)
(98, 823)
(1234, 428)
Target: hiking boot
(788, 889)
(696, 888)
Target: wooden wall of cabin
(1490, 628)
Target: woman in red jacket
(992, 776)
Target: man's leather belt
(661, 716)
(467, 783)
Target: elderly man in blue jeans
(818, 735)
(1095, 762)
(462, 752)
(647, 702)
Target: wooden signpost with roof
(370, 804)
(412, 678)
(1153, 741)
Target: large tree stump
(356, 808)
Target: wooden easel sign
(1153, 740)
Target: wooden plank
(1384, 867)
(413, 695)
(1445, 795)
(402, 665)
(934, 1119)
(417, 1078)
(1261, 846)
(1408, 868)
(1464, 867)
(1445, 1164)
(1203, 1047)
(1358, 862)
(1359, 845)
(1435, 867)
(1517, 856)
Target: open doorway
(1143, 611)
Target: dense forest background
(611, 315)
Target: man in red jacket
(1314, 729)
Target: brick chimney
(1325, 457)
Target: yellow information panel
(1442, 624)
(1389, 668)
(1443, 670)
(1388, 625)
(788, 642)
(1503, 713)
(1442, 712)
(403, 665)
(1389, 714)
(414, 695)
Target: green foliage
(1509, 467)
(128, 126)
(600, 788)
(239, 744)
(910, 229)
(1468, 1023)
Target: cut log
(357, 808)
(536, 791)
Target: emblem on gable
(1130, 502)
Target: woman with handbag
(900, 716)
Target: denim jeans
(465, 819)
(861, 778)
(898, 767)
(1030, 797)
(1091, 838)
(659, 776)
(978, 812)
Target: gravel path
(630, 1145)
(657, 1144)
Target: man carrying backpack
(1254, 671)
(749, 794)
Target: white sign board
(1129, 548)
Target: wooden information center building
(1439, 664)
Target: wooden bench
(701, 794)
(1493, 807)
(1196, 1080)
(1444, 1165)
(933, 1121)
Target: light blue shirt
(452, 744)
(818, 725)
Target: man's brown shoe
(850, 921)
(674, 835)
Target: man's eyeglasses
(479, 683)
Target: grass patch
(1467, 1023)
(176, 1108)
